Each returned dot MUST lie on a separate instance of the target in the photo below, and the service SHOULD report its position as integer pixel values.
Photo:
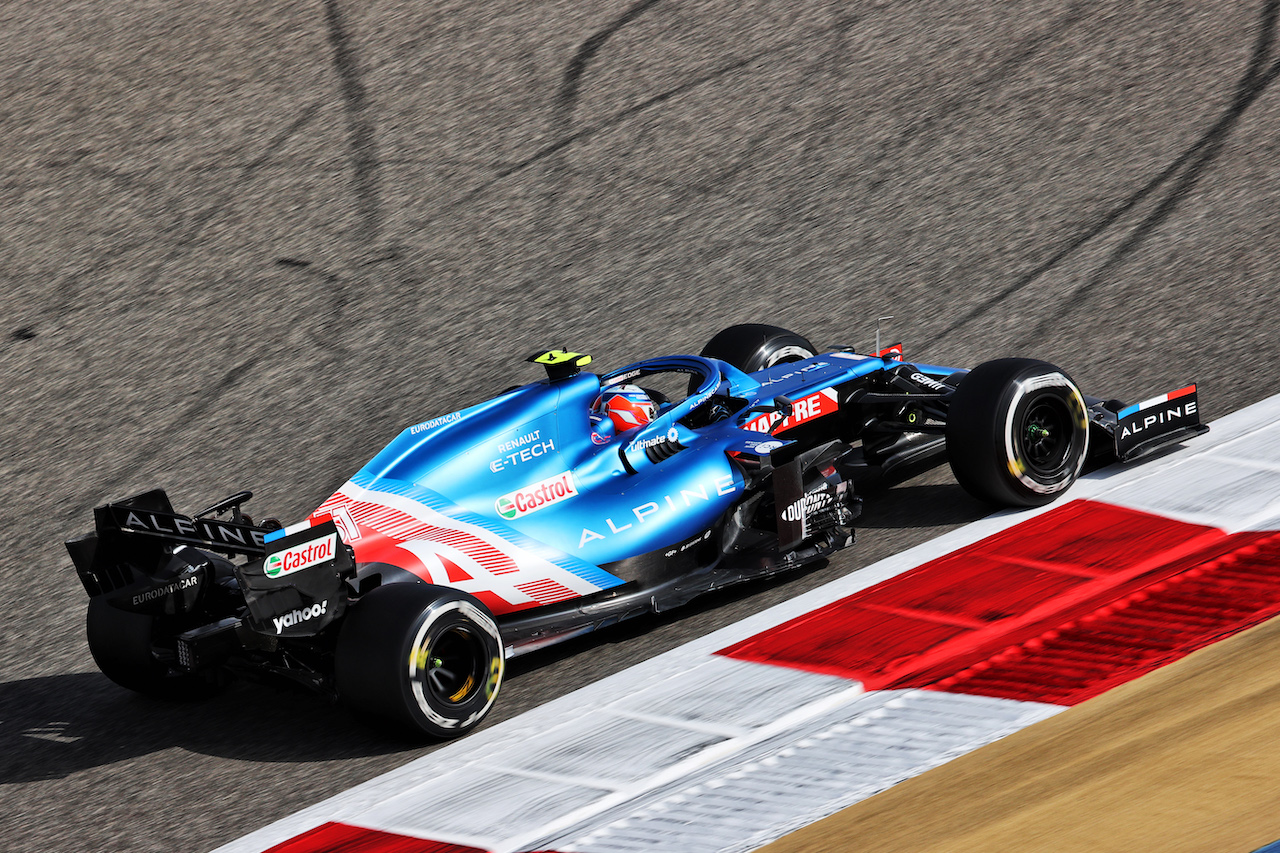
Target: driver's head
(624, 407)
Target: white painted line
(787, 782)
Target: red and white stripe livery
(389, 528)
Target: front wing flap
(1141, 429)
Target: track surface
(242, 247)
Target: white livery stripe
(497, 566)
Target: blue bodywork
(624, 504)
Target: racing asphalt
(242, 245)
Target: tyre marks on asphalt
(567, 97)
(366, 171)
(187, 237)
(1180, 177)
(174, 225)
(187, 234)
(618, 117)
(361, 133)
(545, 223)
(1167, 189)
(917, 125)
(571, 86)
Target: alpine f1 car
(569, 504)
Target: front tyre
(755, 346)
(425, 657)
(1017, 432)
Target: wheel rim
(1046, 435)
(454, 666)
(786, 355)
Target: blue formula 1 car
(569, 504)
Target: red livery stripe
(546, 591)
(402, 527)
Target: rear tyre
(1017, 432)
(124, 647)
(755, 346)
(427, 658)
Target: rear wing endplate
(299, 587)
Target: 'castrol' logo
(300, 556)
(532, 498)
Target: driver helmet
(620, 408)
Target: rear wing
(131, 535)
(150, 514)
(294, 582)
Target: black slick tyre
(428, 659)
(124, 647)
(755, 346)
(1017, 432)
